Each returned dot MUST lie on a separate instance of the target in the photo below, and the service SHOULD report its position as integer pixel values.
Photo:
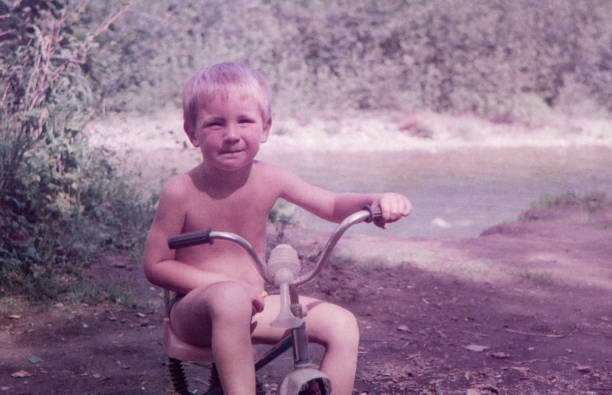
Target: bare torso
(242, 209)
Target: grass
(9, 305)
(591, 202)
(538, 278)
(345, 259)
(121, 297)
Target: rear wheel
(181, 385)
(177, 375)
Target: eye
(213, 124)
(246, 120)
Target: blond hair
(217, 81)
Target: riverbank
(462, 179)
(382, 131)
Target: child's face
(229, 130)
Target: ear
(190, 134)
(265, 133)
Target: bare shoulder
(178, 187)
(273, 174)
(174, 197)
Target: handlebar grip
(190, 239)
(375, 213)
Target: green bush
(60, 202)
(545, 207)
(502, 59)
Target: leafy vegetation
(590, 202)
(502, 59)
(60, 202)
(282, 215)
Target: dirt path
(523, 310)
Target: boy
(226, 110)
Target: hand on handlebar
(393, 206)
(257, 298)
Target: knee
(341, 330)
(348, 328)
(228, 300)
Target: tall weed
(60, 202)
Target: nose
(231, 134)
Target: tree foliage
(498, 58)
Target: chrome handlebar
(368, 214)
(353, 219)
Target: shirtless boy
(226, 110)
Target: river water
(468, 175)
(458, 192)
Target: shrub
(503, 59)
(59, 201)
(547, 205)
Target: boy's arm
(337, 206)
(160, 267)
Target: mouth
(231, 152)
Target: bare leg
(327, 324)
(219, 316)
(337, 330)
